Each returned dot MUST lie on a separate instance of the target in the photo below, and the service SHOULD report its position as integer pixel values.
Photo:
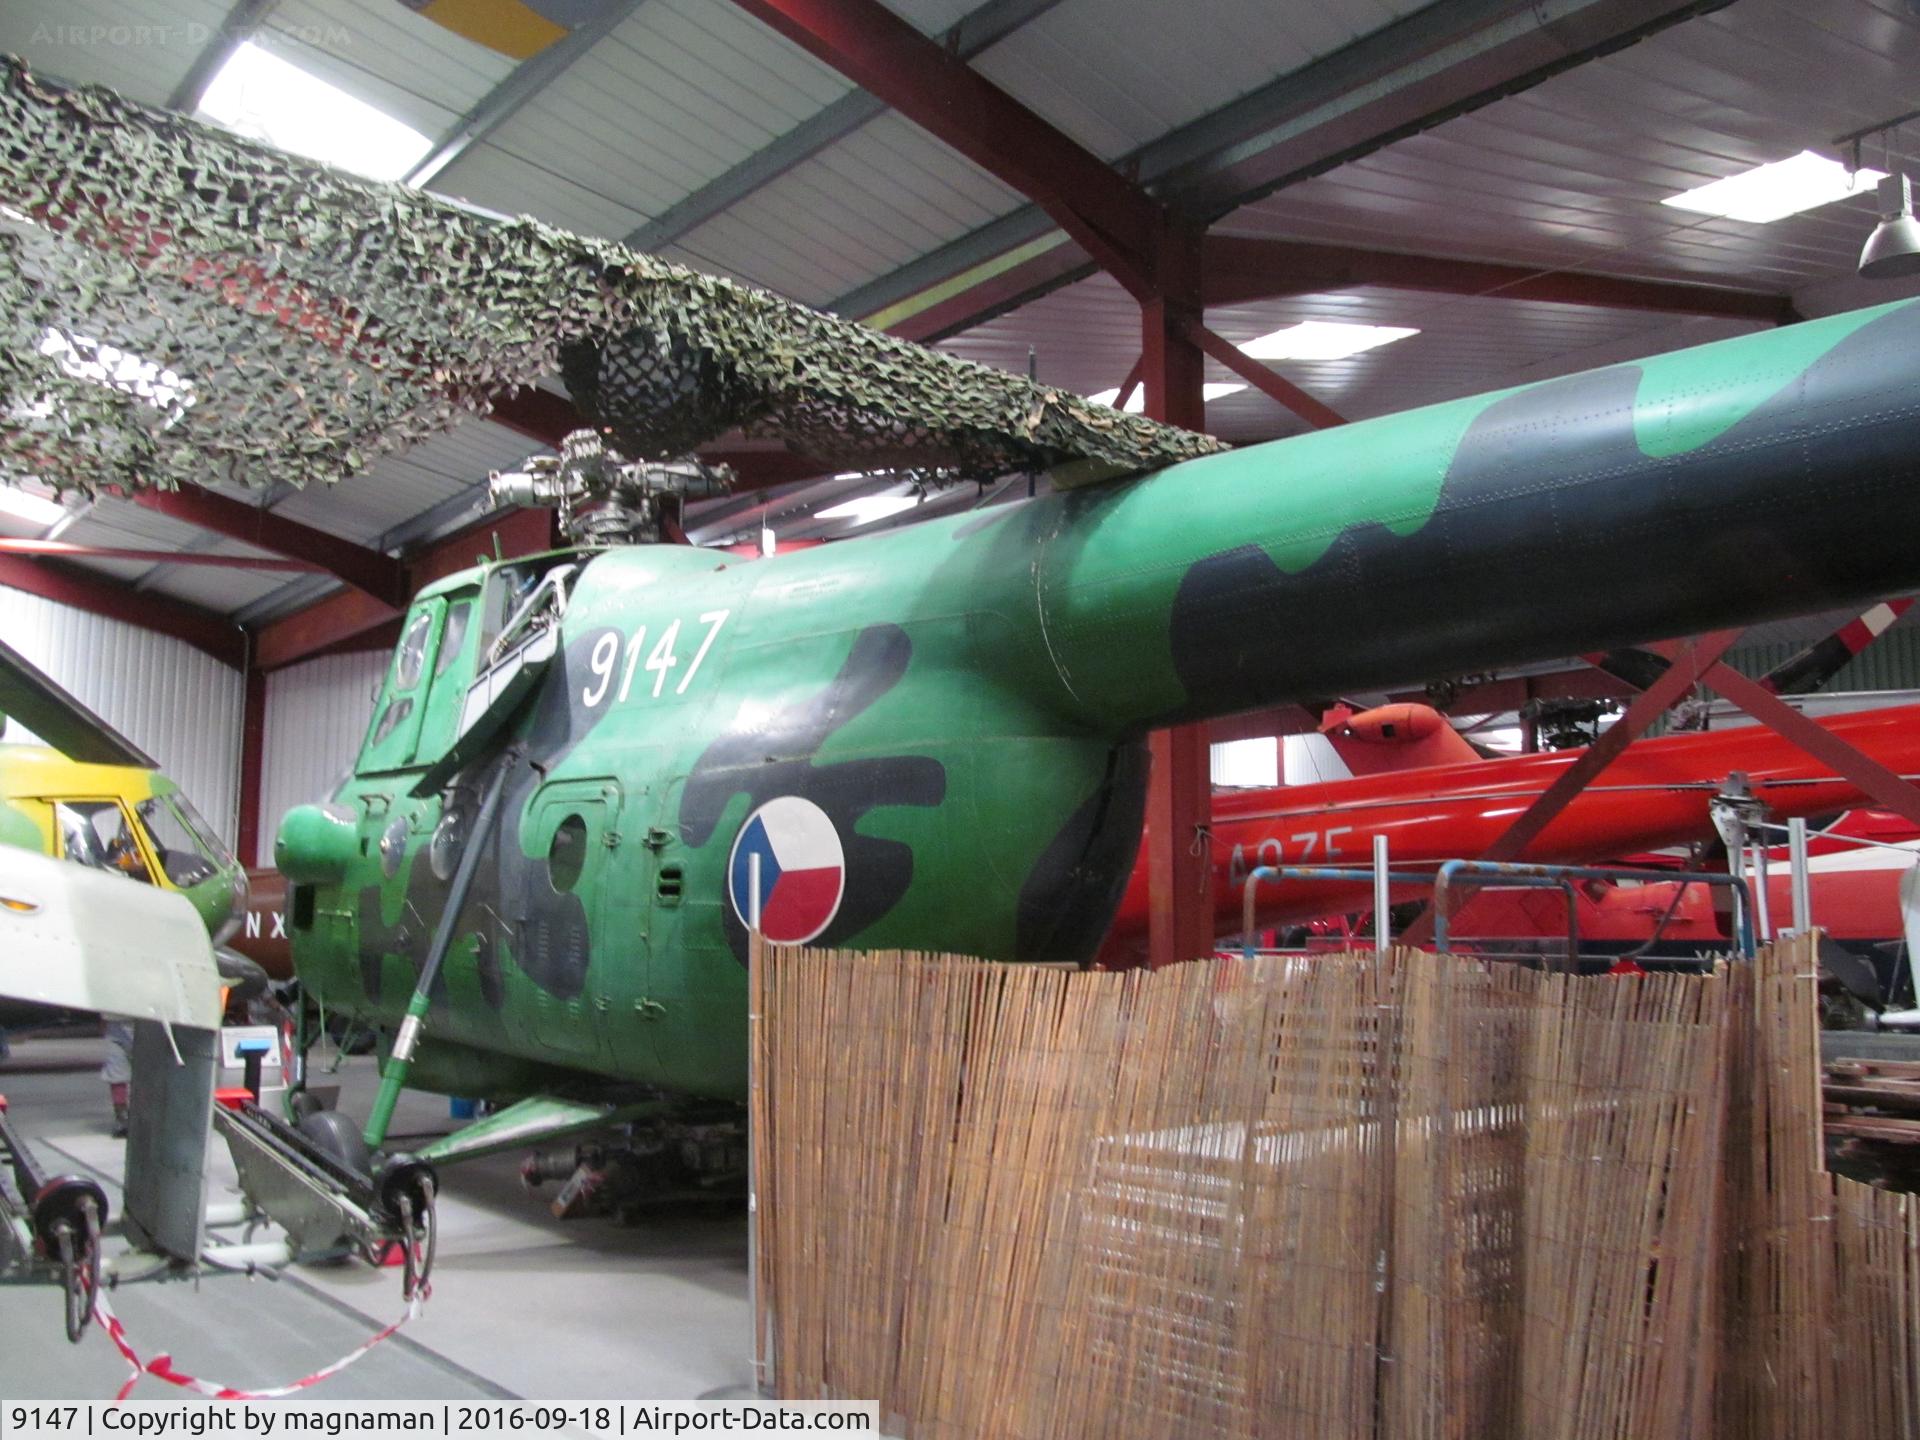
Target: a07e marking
(606, 655)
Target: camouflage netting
(182, 305)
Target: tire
(338, 1138)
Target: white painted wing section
(90, 940)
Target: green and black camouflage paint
(967, 698)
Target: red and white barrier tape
(161, 1366)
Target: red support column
(253, 736)
(1688, 661)
(1887, 789)
(1180, 790)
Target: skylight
(1323, 340)
(1137, 402)
(864, 509)
(1771, 192)
(34, 509)
(261, 96)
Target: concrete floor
(524, 1306)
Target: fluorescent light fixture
(1772, 192)
(85, 358)
(1137, 402)
(864, 509)
(261, 96)
(1323, 340)
(34, 509)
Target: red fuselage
(1655, 794)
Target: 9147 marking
(661, 660)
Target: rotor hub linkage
(604, 499)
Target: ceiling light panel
(1137, 402)
(1323, 340)
(1772, 192)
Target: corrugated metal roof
(181, 706)
(388, 55)
(142, 48)
(1086, 337)
(215, 588)
(1572, 172)
(678, 93)
(861, 208)
(1115, 74)
(398, 487)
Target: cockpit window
(455, 636)
(210, 842)
(413, 651)
(181, 854)
(97, 833)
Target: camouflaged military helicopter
(589, 772)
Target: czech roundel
(803, 871)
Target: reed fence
(1339, 1197)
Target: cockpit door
(397, 718)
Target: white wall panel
(181, 706)
(316, 717)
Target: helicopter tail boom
(1756, 477)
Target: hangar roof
(692, 128)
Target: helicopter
(589, 773)
(93, 797)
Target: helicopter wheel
(338, 1138)
(79, 1267)
(419, 1233)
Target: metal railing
(1504, 874)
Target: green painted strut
(394, 1079)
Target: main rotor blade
(31, 696)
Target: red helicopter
(1421, 784)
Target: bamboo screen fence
(1023, 1202)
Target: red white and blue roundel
(803, 870)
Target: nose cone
(315, 844)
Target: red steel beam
(97, 595)
(1244, 268)
(253, 745)
(1180, 784)
(1688, 660)
(1112, 218)
(380, 576)
(547, 419)
(350, 619)
(540, 415)
(1265, 379)
(59, 548)
(1886, 788)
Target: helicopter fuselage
(934, 738)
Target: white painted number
(633, 655)
(663, 659)
(604, 651)
(606, 655)
(713, 620)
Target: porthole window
(413, 651)
(448, 838)
(393, 848)
(567, 855)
